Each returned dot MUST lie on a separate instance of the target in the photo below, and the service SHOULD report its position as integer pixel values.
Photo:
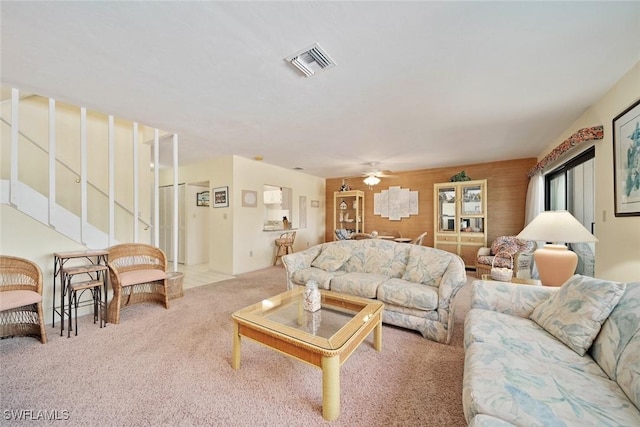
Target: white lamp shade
(557, 227)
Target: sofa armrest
(508, 298)
(299, 261)
(453, 279)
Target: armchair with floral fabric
(521, 250)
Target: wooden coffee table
(324, 339)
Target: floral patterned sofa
(542, 356)
(416, 283)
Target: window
(571, 187)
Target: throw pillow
(576, 312)
(332, 257)
(426, 265)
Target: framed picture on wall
(220, 197)
(249, 199)
(202, 199)
(626, 161)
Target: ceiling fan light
(371, 180)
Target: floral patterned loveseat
(543, 356)
(417, 284)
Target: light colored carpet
(172, 367)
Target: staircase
(55, 171)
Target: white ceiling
(418, 84)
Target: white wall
(237, 243)
(254, 248)
(618, 249)
(27, 238)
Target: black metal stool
(97, 275)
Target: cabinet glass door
(446, 209)
(471, 200)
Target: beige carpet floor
(172, 367)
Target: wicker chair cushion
(14, 299)
(499, 261)
(135, 277)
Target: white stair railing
(70, 221)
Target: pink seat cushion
(135, 277)
(14, 299)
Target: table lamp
(556, 264)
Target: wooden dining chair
(284, 245)
(418, 240)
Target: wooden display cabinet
(460, 212)
(348, 211)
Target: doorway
(193, 223)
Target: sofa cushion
(359, 284)
(617, 346)
(527, 390)
(617, 331)
(426, 265)
(408, 294)
(525, 338)
(386, 258)
(18, 298)
(321, 277)
(135, 277)
(576, 312)
(332, 257)
(357, 262)
(628, 373)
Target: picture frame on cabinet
(220, 197)
(626, 161)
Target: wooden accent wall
(507, 184)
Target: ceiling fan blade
(385, 174)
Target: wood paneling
(507, 184)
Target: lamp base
(556, 264)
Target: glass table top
(339, 318)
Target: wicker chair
(138, 274)
(21, 299)
(511, 252)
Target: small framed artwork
(220, 197)
(202, 199)
(626, 161)
(249, 199)
(315, 203)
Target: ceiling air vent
(311, 60)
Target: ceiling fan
(372, 177)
